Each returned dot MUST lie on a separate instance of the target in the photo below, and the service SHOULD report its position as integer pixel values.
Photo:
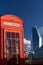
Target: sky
(31, 11)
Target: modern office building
(37, 45)
(41, 33)
(36, 39)
(38, 54)
(11, 40)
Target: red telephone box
(11, 40)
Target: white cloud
(27, 45)
(27, 41)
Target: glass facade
(41, 32)
(36, 39)
(37, 46)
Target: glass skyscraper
(36, 39)
(41, 32)
(37, 43)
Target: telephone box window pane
(12, 55)
(17, 49)
(17, 35)
(8, 56)
(8, 49)
(13, 42)
(18, 58)
(13, 35)
(17, 41)
(17, 45)
(8, 42)
(8, 34)
(13, 49)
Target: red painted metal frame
(12, 19)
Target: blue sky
(31, 11)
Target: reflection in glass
(17, 46)
(8, 42)
(12, 46)
(13, 35)
(17, 49)
(17, 41)
(8, 49)
(8, 34)
(17, 35)
(12, 49)
(16, 59)
(13, 42)
(8, 56)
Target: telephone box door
(11, 47)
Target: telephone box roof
(11, 17)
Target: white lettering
(11, 24)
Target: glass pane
(17, 58)
(8, 34)
(8, 56)
(17, 35)
(8, 49)
(17, 46)
(13, 42)
(17, 49)
(12, 49)
(8, 42)
(13, 35)
(17, 41)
